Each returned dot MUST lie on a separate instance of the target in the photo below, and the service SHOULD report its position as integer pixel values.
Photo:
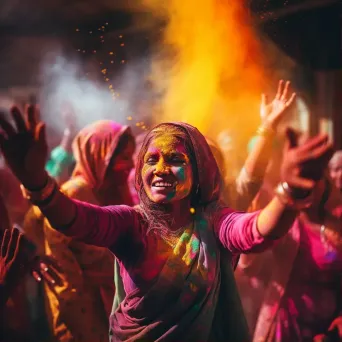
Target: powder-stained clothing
(185, 293)
(304, 294)
(79, 307)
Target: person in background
(302, 299)
(335, 169)
(170, 248)
(16, 205)
(61, 161)
(79, 307)
(241, 192)
(131, 179)
(14, 260)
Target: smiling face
(167, 173)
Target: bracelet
(265, 131)
(40, 196)
(285, 194)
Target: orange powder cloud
(215, 76)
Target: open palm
(272, 112)
(24, 146)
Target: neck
(180, 214)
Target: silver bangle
(285, 194)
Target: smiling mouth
(164, 185)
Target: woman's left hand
(303, 165)
(272, 112)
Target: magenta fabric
(313, 294)
(142, 258)
(184, 294)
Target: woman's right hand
(24, 146)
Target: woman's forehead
(166, 143)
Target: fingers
(31, 119)
(5, 242)
(283, 96)
(18, 119)
(301, 183)
(17, 242)
(316, 153)
(6, 126)
(36, 276)
(40, 133)
(313, 143)
(279, 91)
(13, 245)
(290, 101)
(45, 272)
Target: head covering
(93, 149)
(183, 303)
(218, 155)
(208, 173)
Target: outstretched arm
(242, 233)
(25, 150)
(251, 176)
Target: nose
(161, 168)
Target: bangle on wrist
(265, 130)
(285, 194)
(40, 196)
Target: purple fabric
(173, 295)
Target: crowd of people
(122, 238)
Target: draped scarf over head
(208, 173)
(181, 304)
(93, 149)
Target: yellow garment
(79, 307)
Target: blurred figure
(296, 288)
(335, 169)
(16, 204)
(131, 180)
(239, 192)
(61, 161)
(80, 306)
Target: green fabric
(59, 161)
(119, 288)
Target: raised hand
(272, 112)
(24, 146)
(14, 261)
(303, 165)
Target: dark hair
(157, 215)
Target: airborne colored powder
(213, 67)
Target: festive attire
(303, 295)
(80, 306)
(181, 293)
